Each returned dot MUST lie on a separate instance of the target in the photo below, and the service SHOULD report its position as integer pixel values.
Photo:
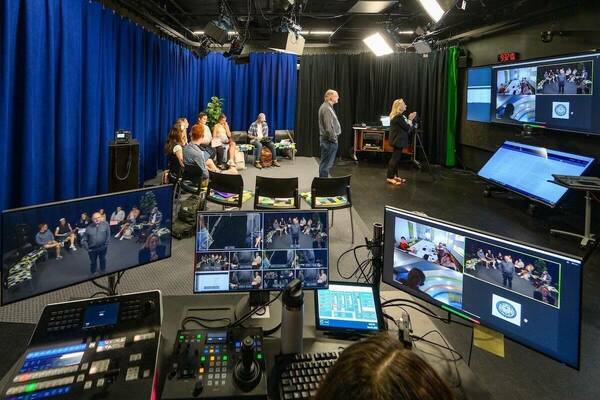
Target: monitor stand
(267, 318)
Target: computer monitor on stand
(260, 251)
(530, 294)
(51, 246)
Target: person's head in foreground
(380, 368)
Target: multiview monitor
(52, 246)
(530, 294)
(261, 250)
(527, 170)
(560, 93)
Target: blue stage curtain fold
(72, 72)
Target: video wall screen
(51, 246)
(261, 250)
(558, 93)
(531, 295)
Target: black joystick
(247, 372)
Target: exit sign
(508, 57)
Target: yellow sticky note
(488, 340)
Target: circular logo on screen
(506, 309)
(560, 110)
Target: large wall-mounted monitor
(261, 250)
(560, 93)
(479, 94)
(530, 294)
(527, 170)
(52, 246)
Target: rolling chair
(281, 188)
(333, 187)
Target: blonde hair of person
(396, 107)
(328, 94)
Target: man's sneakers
(276, 163)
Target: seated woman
(64, 233)
(256, 281)
(379, 367)
(152, 250)
(176, 141)
(83, 222)
(222, 141)
(126, 231)
(257, 261)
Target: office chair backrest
(329, 187)
(226, 183)
(277, 187)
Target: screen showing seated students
(529, 294)
(527, 169)
(560, 93)
(347, 306)
(261, 250)
(479, 94)
(51, 246)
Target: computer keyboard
(302, 373)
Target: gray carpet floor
(174, 276)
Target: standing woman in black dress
(400, 132)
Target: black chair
(224, 183)
(282, 188)
(185, 179)
(332, 187)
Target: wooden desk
(372, 139)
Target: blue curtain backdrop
(72, 72)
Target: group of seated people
(213, 151)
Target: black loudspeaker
(287, 42)
(216, 33)
(123, 166)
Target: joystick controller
(247, 372)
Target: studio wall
(72, 72)
(476, 141)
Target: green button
(259, 356)
(199, 336)
(181, 337)
(31, 387)
(225, 357)
(203, 358)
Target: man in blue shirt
(95, 240)
(45, 238)
(329, 130)
(508, 270)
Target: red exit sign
(508, 57)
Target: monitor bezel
(270, 211)
(525, 195)
(378, 310)
(428, 300)
(21, 209)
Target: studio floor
(452, 195)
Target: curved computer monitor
(51, 246)
(245, 251)
(530, 294)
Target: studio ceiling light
(378, 45)
(433, 8)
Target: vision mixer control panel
(217, 364)
(95, 348)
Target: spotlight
(235, 48)
(378, 45)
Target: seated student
(83, 222)
(257, 280)
(403, 244)
(45, 238)
(489, 259)
(257, 261)
(322, 280)
(307, 227)
(155, 217)
(415, 279)
(526, 272)
(102, 214)
(380, 368)
(64, 233)
(258, 134)
(126, 231)
(543, 294)
(152, 250)
(175, 143)
(198, 155)
(266, 263)
(222, 141)
(276, 227)
(117, 216)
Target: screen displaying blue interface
(531, 295)
(559, 93)
(527, 169)
(347, 307)
(479, 94)
(98, 315)
(261, 250)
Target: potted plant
(214, 108)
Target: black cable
(447, 347)
(471, 347)
(200, 322)
(98, 293)
(106, 289)
(340, 258)
(422, 309)
(249, 314)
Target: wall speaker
(123, 166)
(287, 42)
